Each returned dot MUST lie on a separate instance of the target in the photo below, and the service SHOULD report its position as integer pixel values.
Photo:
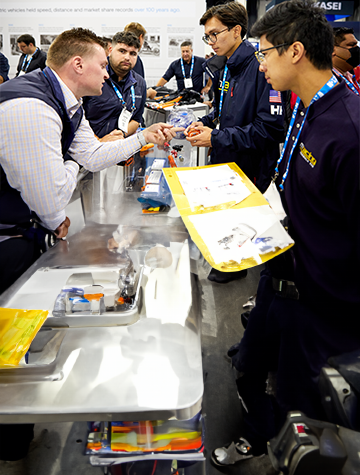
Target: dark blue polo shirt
(103, 111)
(322, 199)
(197, 75)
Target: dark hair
(27, 39)
(126, 37)
(135, 28)
(186, 43)
(230, 14)
(70, 43)
(298, 20)
(339, 34)
(106, 40)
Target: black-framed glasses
(260, 54)
(213, 36)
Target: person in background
(140, 32)
(32, 57)
(308, 302)
(346, 56)
(121, 104)
(187, 70)
(246, 123)
(108, 45)
(4, 68)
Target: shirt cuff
(53, 222)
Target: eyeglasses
(260, 54)
(213, 36)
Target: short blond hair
(135, 28)
(70, 43)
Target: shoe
(233, 453)
(225, 277)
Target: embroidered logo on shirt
(275, 96)
(226, 87)
(307, 156)
(276, 110)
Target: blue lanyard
(222, 91)
(22, 67)
(325, 89)
(118, 93)
(348, 83)
(191, 69)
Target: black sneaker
(233, 453)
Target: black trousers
(288, 336)
(16, 256)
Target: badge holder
(188, 83)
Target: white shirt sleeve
(31, 156)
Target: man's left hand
(62, 230)
(203, 139)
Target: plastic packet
(18, 328)
(181, 118)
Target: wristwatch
(141, 138)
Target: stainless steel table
(148, 370)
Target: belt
(32, 231)
(285, 288)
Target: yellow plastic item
(18, 328)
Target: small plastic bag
(18, 328)
(181, 118)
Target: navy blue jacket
(322, 199)
(103, 111)
(38, 61)
(44, 86)
(4, 67)
(251, 127)
(197, 76)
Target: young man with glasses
(305, 312)
(246, 123)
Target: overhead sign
(331, 8)
(337, 8)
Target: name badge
(124, 120)
(21, 73)
(188, 83)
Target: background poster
(167, 22)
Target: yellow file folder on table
(227, 217)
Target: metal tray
(41, 290)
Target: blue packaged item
(79, 304)
(156, 195)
